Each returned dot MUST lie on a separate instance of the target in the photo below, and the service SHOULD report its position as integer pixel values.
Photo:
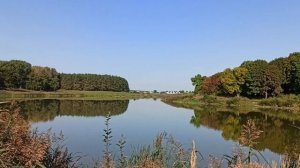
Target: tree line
(17, 74)
(254, 79)
(93, 82)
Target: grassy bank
(72, 94)
(283, 107)
(286, 102)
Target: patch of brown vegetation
(18, 144)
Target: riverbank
(286, 102)
(6, 95)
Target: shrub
(283, 101)
(22, 147)
(209, 99)
(19, 145)
(235, 101)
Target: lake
(215, 132)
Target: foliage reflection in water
(279, 134)
(47, 110)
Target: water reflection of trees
(45, 110)
(280, 134)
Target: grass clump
(58, 155)
(164, 152)
(209, 99)
(287, 101)
(232, 102)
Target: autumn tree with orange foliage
(211, 84)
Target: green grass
(285, 107)
(72, 94)
(285, 102)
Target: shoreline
(195, 101)
(6, 95)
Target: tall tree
(240, 75)
(232, 80)
(284, 67)
(43, 78)
(255, 79)
(15, 73)
(294, 79)
(272, 81)
(211, 85)
(228, 82)
(1, 75)
(197, 81)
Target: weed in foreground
(107, 160)
(164, 152)
(21, 147)
(58, 155)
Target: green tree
(255, 78)
(43, 78)
(14, 73)
(272, 81)
(240, 75)
(232, 80)
(1, 82)
(229, 83)
(93, 82)
(66, 81)
(1, 75)
(294, 79)
(197, 81)
(283, 66)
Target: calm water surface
(215, 133)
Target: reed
(194, 156)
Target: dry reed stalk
(147, 163)
(194, 156)
(250, 134)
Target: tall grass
(287, 101)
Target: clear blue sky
(154, 44)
